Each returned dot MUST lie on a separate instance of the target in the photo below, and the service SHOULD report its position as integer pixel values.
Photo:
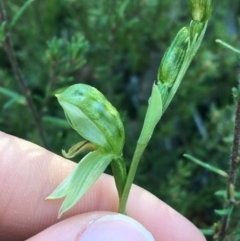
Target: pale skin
(29, 173)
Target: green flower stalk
(179, 55)
(96, 120)
(171, 71)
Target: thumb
(100, 226)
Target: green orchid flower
(96, 120)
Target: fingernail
(116, 227)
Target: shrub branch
(232, 173)
(8, 46)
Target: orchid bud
(196, 29)
(93, 117)
(201, 10)
(173, 58)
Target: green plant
(93, 117)
(118, 44)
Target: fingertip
(116, 227)
(96, 226)
(30, 164)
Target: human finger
(100, 226)
(29, 173)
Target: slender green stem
(228, 46)
(153, 115)
(53, 79)
(132, 171)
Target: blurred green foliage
(116, 46)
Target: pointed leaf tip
(88, 170)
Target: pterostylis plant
(98, 122)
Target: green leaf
(207, 166)
(224, 212)
(120, 174)
(207, 232)
(153, 115)
(2, 32)
(77, 47)
(237, 194)
(56, 121)
(55, 49)
(9, 93)
(20, 13)
(13, 101)
(81, 179)
(122, 7)
(15, 98)
(222, 193)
